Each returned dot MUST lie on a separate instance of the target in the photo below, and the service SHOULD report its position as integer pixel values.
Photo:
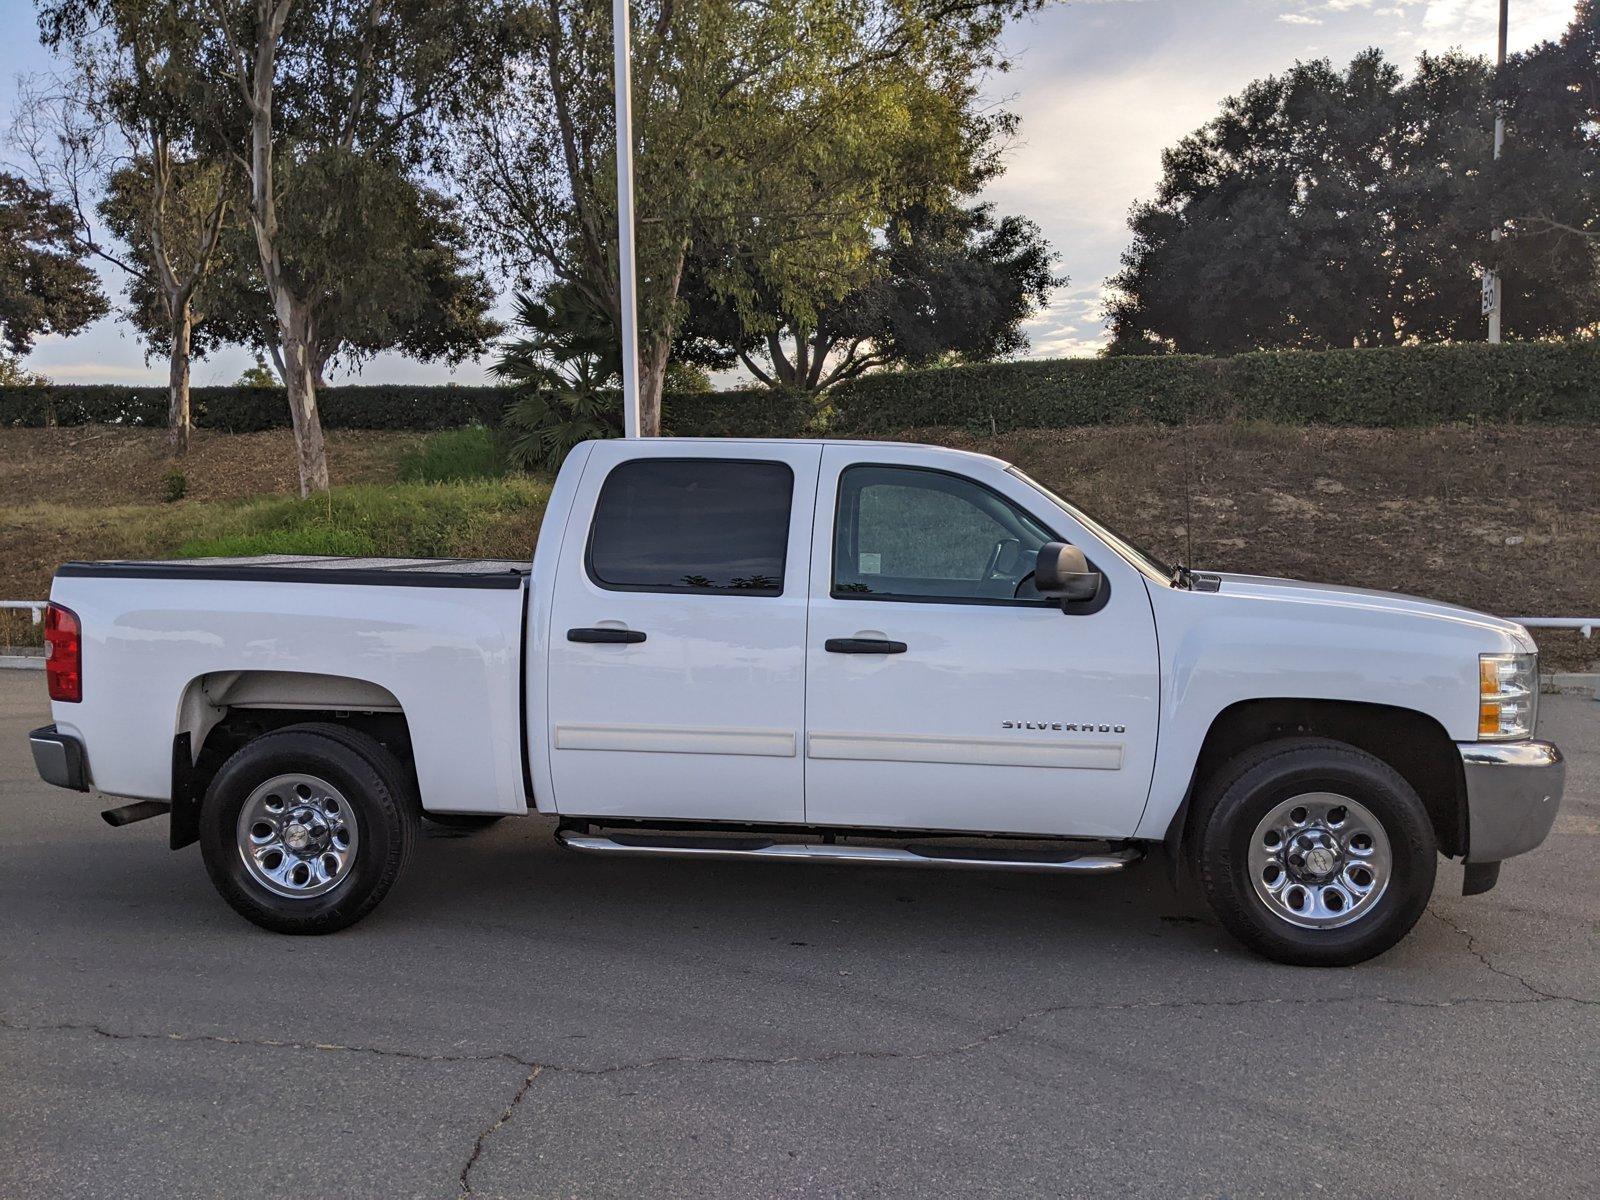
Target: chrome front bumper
(1513, 791)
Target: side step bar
(756, 849)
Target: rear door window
(692, 525)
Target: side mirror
(1063, 573)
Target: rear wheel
(1314, 853)
(305, 830)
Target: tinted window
(928, 535)
(675, 525)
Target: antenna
(1188, 487)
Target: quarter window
(692, 525)
(906, 533)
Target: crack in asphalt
(1472, 949)
(535, 1069)
(505, 1115)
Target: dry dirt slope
(1506, 519)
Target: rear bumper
(58, 757)
(1513, 792)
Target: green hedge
(750, 413)
(1520, 382)
(250, 409)
(1421, 385)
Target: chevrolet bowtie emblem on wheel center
(1064, 727)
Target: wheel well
(224, 711)
(1413, 743)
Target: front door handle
(605, 636)
(863, 646)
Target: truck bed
(307, 568)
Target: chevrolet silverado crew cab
(804, 651)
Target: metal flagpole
(623, 72)
(1493, 290)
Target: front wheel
(1314, 853)
(304, 830)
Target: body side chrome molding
(986, 752)
(671, 739)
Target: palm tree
(564, 367)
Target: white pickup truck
(804, 651)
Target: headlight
(1508, 695)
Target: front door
(677, 635)
(942, 691)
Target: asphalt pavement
(516, 1020)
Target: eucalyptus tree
(399, 277)
(122, 127)
(296, 90)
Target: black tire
(371, 782)
(467, 822)
(1239, 797)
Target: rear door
(942, 691)
(676, 684)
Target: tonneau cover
(307, 568)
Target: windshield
(1145, 561)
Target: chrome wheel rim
(297, 836)
(1320, 861)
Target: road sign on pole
(623, 72)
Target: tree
(946, 282)
(1338, 208)
(124, 125)
(257, 375)
(564, 367)
(14, 374)
(762, 127)
(1547, 182)
(305, 97)
(396, 276)
(44, 285)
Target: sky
(1101, 87)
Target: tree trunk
(300, 379)
(653, 356)
(179, 417)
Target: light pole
(1493, 290)
(623, 77)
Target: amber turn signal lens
(1488, 720)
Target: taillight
(63, 654)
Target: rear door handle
(863, 646)
(605, 636)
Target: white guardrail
(36, 607)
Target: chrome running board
(759, 850)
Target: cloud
(1299, 19)
(1475, 23)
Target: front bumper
(1513, 791)
(58, 757)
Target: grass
(493, 518)
(453, 456)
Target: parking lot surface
(515, 1020)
